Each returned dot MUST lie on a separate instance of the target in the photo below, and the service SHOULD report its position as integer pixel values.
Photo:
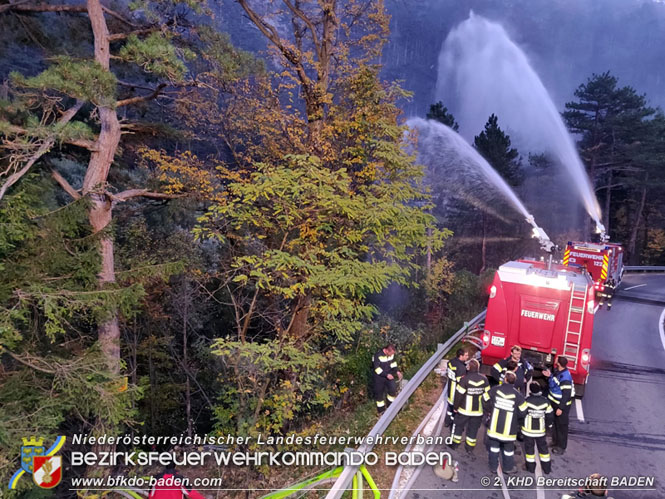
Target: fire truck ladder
(571, 345)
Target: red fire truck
(604, 261)
(548, 310)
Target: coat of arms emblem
(42, 463)
(31, 447)
(48, 471)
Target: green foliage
(307, 233)
(440, 113)
(157, 55)
(622, 145)
(495, 146)
(228, 62)
(52, 370)
(354, 372)
(84, 80)
(274, 382)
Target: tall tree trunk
(100, 213)
(94, 185)
(632, 242)
(299, 328)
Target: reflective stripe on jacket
(506, 407)
(562, 388)
(456, 369)
(539, 415)
(470, 391)
(383, 364)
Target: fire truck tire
(485, 369)
(579, 390)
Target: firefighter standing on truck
(456, 369)
(383, 379)
(469, 406)
(523, 372)
(539, 417)
(561, 395)
(506, 408)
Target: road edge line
(579, 412)
(661, 328)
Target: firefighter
(385, 372)
(469, 406)
(456, 369)
(506, 408)
(610, 287)
(523, 372)
(561, 395)
(539, 417)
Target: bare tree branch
(315, 37)
(145, 193)
(121, 36)
(118, 16)
(43, 149)
(24, 6)
(142, 98)
(90, 145)
(64, 184)
(42, 7)
(271, 34)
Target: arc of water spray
(437, 137)
(489, 73)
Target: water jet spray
(436, 141)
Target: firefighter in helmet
(523, 371)
(610, 287)
(384, 377)
(506, 407)
(469, 406)
(456, 369)
(539, 417)
(561, 395)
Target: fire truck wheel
(579, 390)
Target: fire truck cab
(604, 261)
(546, 311)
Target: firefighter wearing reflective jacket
(384, 377)
(539, 417)
(506, 407)
(561, 395)
(608, 293)
(523, 371)
(456, 369)
(469, 406)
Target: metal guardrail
(384, 421)
(645, 268)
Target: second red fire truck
(604, 261)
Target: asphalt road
(617, 430)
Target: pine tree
(615, 124)
(495, 146)
(439, 112)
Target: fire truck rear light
(591, 307)
(492, 291)
(585, 357)
(486, 338)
